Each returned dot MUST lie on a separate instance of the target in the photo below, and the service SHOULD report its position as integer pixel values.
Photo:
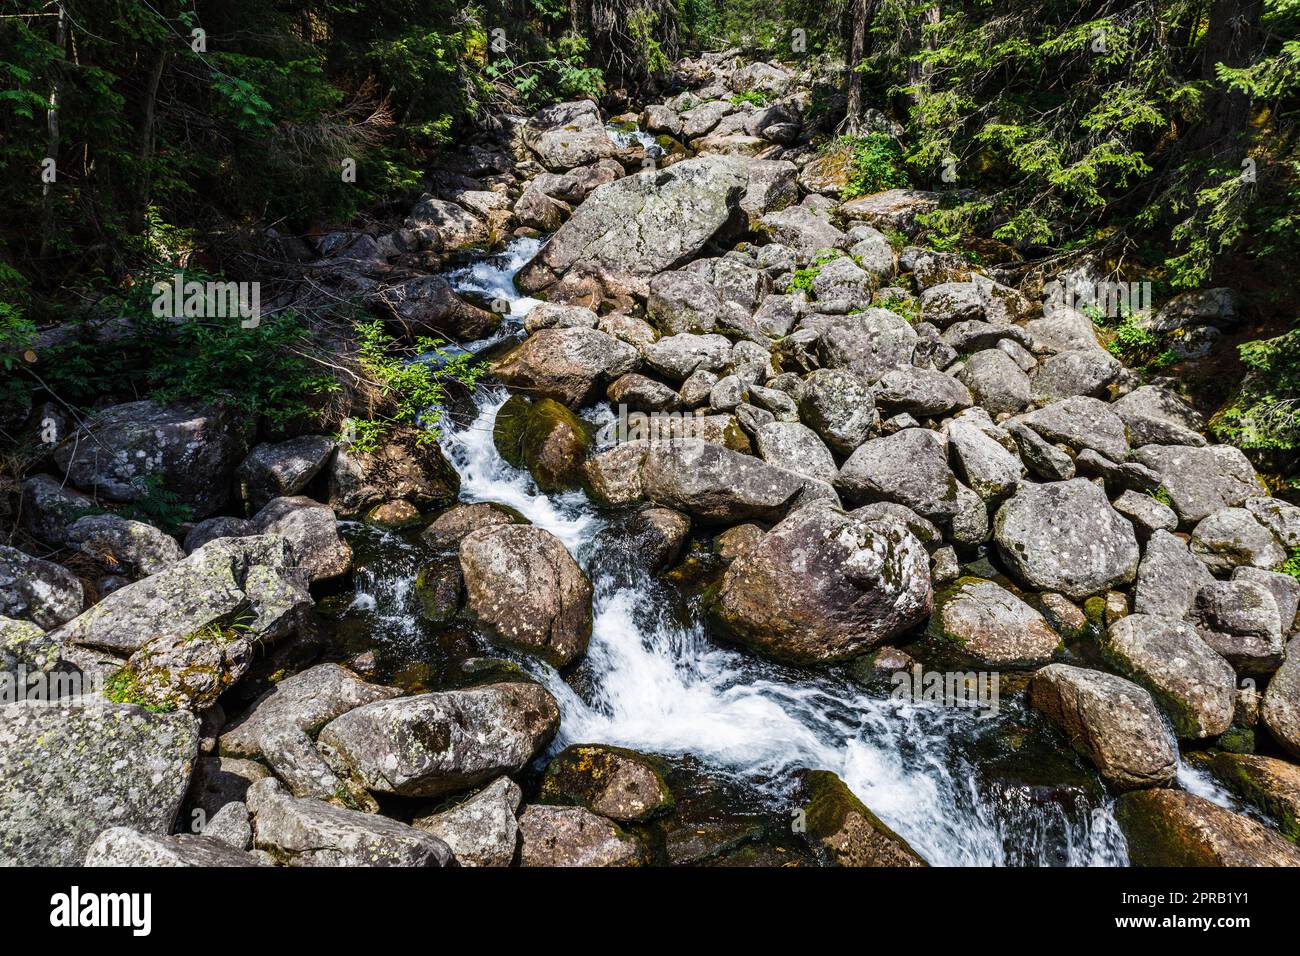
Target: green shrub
(1265, 412)
(876, 164)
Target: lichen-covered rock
(222, 526)
(844, 831)
(123, 451)
(128, 847)
(992, 626)
(571, 365)
(995, 381)
(1175, 828)
(281, 469)
(1074, 372)
(988, 468)
(573, 836)
(482, 829)
(839, 406)
(1195, 686)
(824, 586)
(718, 486)
(1201, 481)
(302, 831)
(1081, 422)
(280, 726)
(432, 744)
(523, 584)
(796, 447)
(1270, 784)
(677, 357)
(1147, 513)
(644, 224)
(804, 230)
(49, 506)
(43, 592)
(922, 392)
(120, 546)
(619, 784)
(1169, 577)
(546, 438)
(67, 773)
(1240, 620)
(566, 135)
(870, 344)
(909, 467)
(1231, 537)
(1064, 536)
(1279, 517)
(1281, 708)
(312, 532)
(1157, 416)
(407, 466)
(1111, 721)
(683, 301)
(447, 530)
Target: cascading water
(659, 683)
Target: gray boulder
(482, 830)
(573, 836)
(68, 773)
(570, 365)
(1187, 677)
(1065, 536)
(909, 467)
(824, 586)
(677, 357)
(407, 466)
(282, 469)
(1081, 422)
(797, 448)
(128, 847)
(1231, 537)
(839, 406)
(683, 301)
(432, 744)
(983, 463)
(992, 626)
(1279, 517)
(1200, 481)
(523, 584)
(120, 546)
(1281, 709)
(996, 382)
(869, 344)
(312, 531)
(1240, 620)
(1157, 416)
(1168, 578)
(43, 592)
(922, 392)
(804, 230)
(1076, 372)
(1110, 721)
(302, 831)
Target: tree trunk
(52, 135)
(1231, 38)
(861, 12)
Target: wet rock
(720, 486)
(432, 744)
(1157, 416)
(482, 829)
(1231, 537)
(996, 382)
(445, 532)
(128, 847)
(302, 831)
(1174, 828)
(839, 406)
(43, 592)
(1195, 686)
(1281, 707)
(840, 826)
(570, 365)
(658, 536)
(124, 451)
(796, 447)
(1201, 481)
(644, 224)
(1270, 784)
(408, 466)
(909, 467)
(1062, 615)
(992, 626)
(824, 586)
(1169, 577)
(1064, 536)
(280, 726)
(572, 836)
(282, 469)
(69, 773)
(522, 583)
(1109, 720)
(544, 437)
(620, 784)
(1081, 422)
(312, 532)
(1240, 620)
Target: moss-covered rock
(840, 826)
(1175, 828)
(1270, 784)
(617, 783)
(546, 438)
(438, 588)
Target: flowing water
(961, 788)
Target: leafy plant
(1265, 411)
(875, 164)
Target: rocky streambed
(773, 540)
